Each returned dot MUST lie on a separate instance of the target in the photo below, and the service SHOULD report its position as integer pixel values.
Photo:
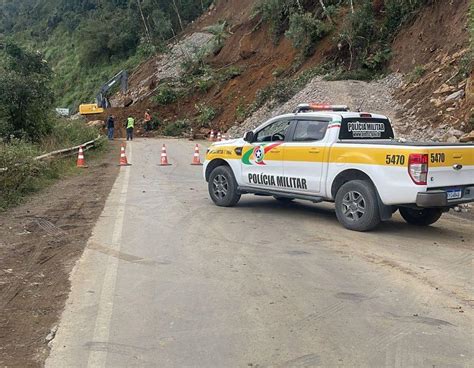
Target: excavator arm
(102, 97)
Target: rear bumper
(439, 198)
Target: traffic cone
(164, 157)
(123, 157)
(196, 158)
(81, 162)
(211, 136)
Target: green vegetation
(205, 115)
(27, 126)
(305, 30)
(25, 96)
(86, 42)
(363, 41)
(366, 36)
(25, 175)
(280, 91)
(166, 94)
(220, 34)
(177, 128)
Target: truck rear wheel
(223, 187)
(356, 206)
(420, 217)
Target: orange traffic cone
(81, 162)
(196, 157)
(164, 157)
(211, 136)
(123, 157)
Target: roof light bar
(320, 107)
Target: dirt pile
(373, 96)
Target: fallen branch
(62, 152)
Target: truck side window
(274, 132)
(310, 130)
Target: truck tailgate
(450, 166)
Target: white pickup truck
(327, 153)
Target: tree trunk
(178, 15)
(147, 32)
(352, 7)
(326, 11)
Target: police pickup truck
(327, 153)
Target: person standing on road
(148, 120)
(110, 127)
(130, 124)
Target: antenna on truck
(359, 109)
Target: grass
(26, 175)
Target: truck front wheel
(223, 187)
(356, 205)
(420, 217)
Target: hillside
(86, 42)
(427, 45)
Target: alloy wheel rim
(353, 206)
(220, 186)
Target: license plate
(454, 194)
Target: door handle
(275, 151)
(314, 151)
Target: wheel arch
(213, 164)
(348, 175)
(356, 174)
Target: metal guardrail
(62, 152)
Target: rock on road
(170, 280)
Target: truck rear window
(365, 128)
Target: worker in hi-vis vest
(130, 125)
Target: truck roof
(334, 115)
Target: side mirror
(248, 137)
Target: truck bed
(404, 144)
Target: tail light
(418, 168)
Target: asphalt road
(170, 280)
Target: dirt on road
(40, 241)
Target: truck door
(262, 159)
(304, 155)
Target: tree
(25, 96)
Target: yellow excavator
(102, 98)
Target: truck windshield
(365, 128)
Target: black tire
(223, 187)
(284, 199)
(422, 216)
(356, 206)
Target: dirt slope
(436, 46)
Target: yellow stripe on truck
(384, 156)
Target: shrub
(304, 31)
(165, 95)
(276, 13)
(241, 112)
(176, 128)
(205, 114)
(220, 34)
